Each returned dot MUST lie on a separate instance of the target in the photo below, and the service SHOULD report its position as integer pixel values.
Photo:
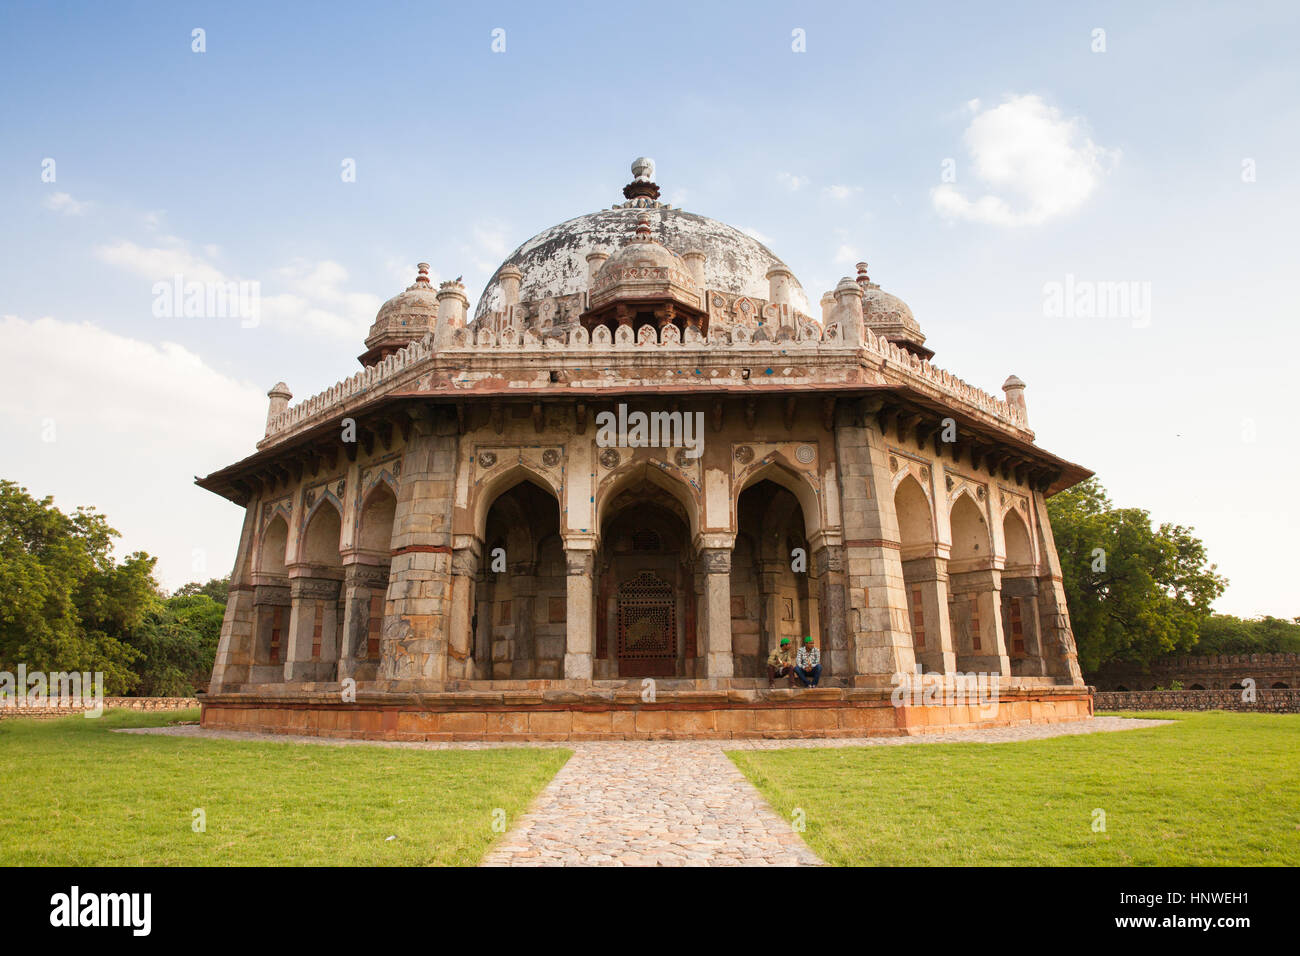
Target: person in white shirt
(808, 664)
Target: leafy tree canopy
(1135, 592)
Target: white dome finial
(643, 169)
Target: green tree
(217, 589)
(177, 642)
(1227, 634)
(1135, 592)
(65, 603)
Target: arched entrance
(646, 588)
(520, 607)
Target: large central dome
(554, 262)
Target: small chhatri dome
(403, 319)
(889, 316)
(644, 270)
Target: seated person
(808, 665)
(780, 663)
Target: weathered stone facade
(455, 517)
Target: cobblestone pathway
(671, 803)
(640, 803)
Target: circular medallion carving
(925, 474)
(682, 460)
(338, 491)
(804, 454)
(487, 459)
(310, 497)
(893, 463)
(550, 458)
(948, 482)
(744, 454)
(979, 493)
(610, 458)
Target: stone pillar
(509, 278)
(770, 617)
(717, 610)
(279, 396)
(848, 312)
(828, 568)
(452, 304)
(595, 261)
(360, 583)
(416, 612)
(694, 259)
(930, 577)
(876, 606)
(1059, 651)
(308, 595)
(460, 640)
(483, 589)
(580, 608)
(236, 646)
(779, 283)
(983, 589)
(1024, 589)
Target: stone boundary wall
(1266, 701)
(120, 703)
(1214, 671)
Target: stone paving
(665, 803)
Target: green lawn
(74, 793)
(1212, 789)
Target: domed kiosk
(594, 509)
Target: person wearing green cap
(780, 663)
(808, 665)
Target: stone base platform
(522, 712)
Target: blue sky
(226, 163)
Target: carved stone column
(464, 568)
(976, 605)
(236, 648)
(414, 644)
(929, 576)
(876, 604)
(361, 584)
(828, 571)
(717, 611)
(1059, 650)
(579, 615)
(313, 629)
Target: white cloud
(301, 297)
(132, 422)
(64, 203)
(847, 254)
(1026, 150)
(792, 182)
(840, 193)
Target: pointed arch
(374, 531)
(274, 546)
(776, 468)
(663, 476)
(1015, 535)
(322, 534)
(498, 482)
(915, 518)
(971, 542)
